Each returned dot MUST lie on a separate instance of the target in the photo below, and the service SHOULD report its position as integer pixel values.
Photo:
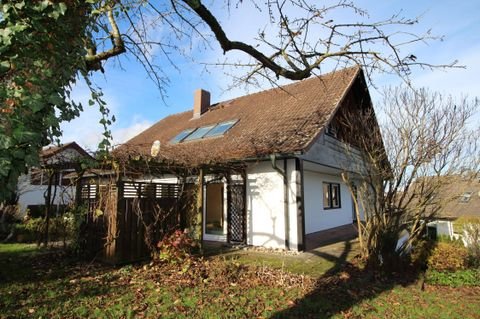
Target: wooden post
(199, 211)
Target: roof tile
(280, 120)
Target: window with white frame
(331, 195)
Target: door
(236, 210)
(215, 221)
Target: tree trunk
(48, 205)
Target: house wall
(265, 206)
(34, 194)
(444, 227)
(329, 151)
(316, 217)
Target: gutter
(283, 172)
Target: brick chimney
(201, 102)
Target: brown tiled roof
(453, 192)
(281, 120)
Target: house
(56, 162)
(286, 148)
(460, 197)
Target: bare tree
(424, 141)
(300, 38)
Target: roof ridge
(295, 83)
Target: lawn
(44, 284)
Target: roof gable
(282, 120)
(64, 153)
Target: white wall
(316, 217)
(34, 194)
(265, 206)
(444, 227)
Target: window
(331, 195)
(181, 136)
(220, 129)
(203, 132)
(199, 133)
(465, 197)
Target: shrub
(448, 257)
(29, 230)
(175, 248)
(62, 228)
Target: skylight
(220, 129)
(203, 132)
(181, 136)
(465, 197)
(199, 133)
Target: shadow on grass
(343, 286)
(47, 280)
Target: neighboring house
(57, 161)
(289, 147)
(461, 198)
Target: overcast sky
(137, 103)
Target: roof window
(465, 197)
(220, 129)
(203, 132)
(181, 136)
(199, 133)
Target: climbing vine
(42, 54)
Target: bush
(62, 228)
(29, 230)
(448, 257)
(175, 248)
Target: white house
(60, 161)
(289, 147)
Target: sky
(137, 103)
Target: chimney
(201, 102)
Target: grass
(15, 250)
(315, 263)
(53, 285)
(314, 266)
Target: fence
(122, 218)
